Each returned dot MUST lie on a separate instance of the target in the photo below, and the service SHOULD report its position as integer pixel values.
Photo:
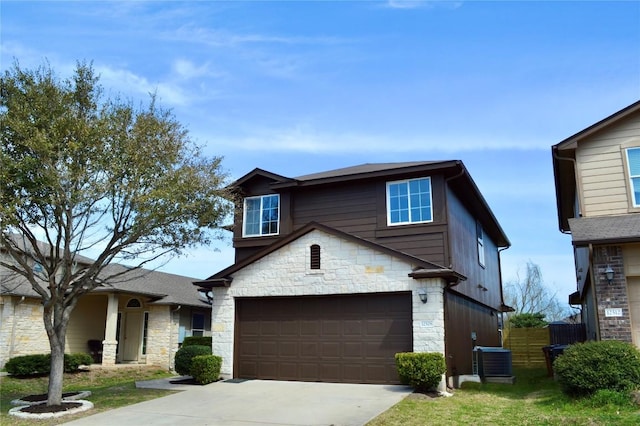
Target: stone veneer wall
(346, 268)
(21, 328)
(162, 336)
(612, 295)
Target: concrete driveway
(257, 402)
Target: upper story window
(480, 238)
(633, 161)
(409, 201)
(261, 215)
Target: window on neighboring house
(480, 238)
(197, 325)
(315, 257)
(633, 161)
(409, 201)
(261, 215)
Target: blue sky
(299, 87)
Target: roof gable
(571, 141)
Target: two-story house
(597, 178)
(335, 272)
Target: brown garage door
(349, 339)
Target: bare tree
(529, 295)
(80, 173)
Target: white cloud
(305, 139)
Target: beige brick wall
(23, 336)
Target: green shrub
(197, 341)
(29, 365)
(205, 368)
(585, 368)
(422, 371)
(184, 356)
(37, 364)
(72, 362)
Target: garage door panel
(288, 350)
(330, 350)
(309, 328)
(341, 338)
(268, 348)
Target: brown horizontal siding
(425, 246)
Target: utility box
(492, 362)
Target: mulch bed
(44, 408)
(43, 397)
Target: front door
(633, 291)
(132, 334)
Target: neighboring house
(335, 272)
(597, 177)
(142, 318)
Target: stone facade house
(140, 318)
(335, 272)
(597, 178)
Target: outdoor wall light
(422, 292)
(609, 274)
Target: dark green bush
(28, 365)
(37, 364)
(184, 356)
(422, 371)
(205, 368)
(72, 362)
(197, 341)
(585, 368)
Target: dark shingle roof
(605, 229)
(161, 287)
(364, 168)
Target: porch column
(110, 341)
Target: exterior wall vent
(315, 256)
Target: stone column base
(109, 352)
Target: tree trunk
(54, 396)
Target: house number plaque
(613, 312)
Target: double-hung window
(261, 215)
(633, 162)
(409, 201)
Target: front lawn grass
(110, 388)
(534, 399)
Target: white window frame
(636, 203)
(409, 222)
(244, 216)
(199, 330)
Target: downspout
(13, 328)
(500, 250)
(171, 352)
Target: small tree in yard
(529, 295)
(80, 173)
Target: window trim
(244, 216)
(193, 329)
(388, 201)
(480, 240)
(634, 203)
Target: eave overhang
(450, 276)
